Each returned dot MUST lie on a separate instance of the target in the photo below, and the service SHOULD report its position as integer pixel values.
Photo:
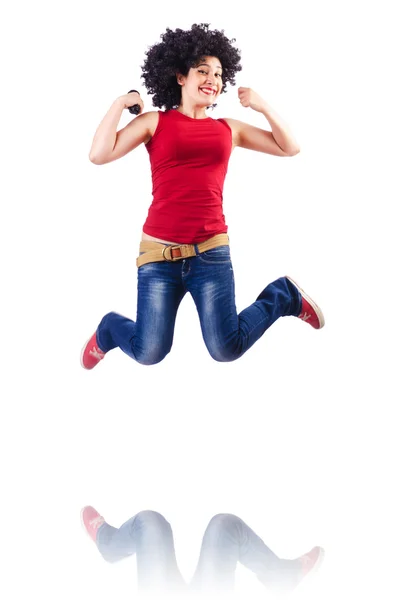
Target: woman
(185, 247)
(226, 542)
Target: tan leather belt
(157, 252)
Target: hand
(131, 99)
(249, 98)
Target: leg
(228, 540)
(149, 536)
(149, 339)
(226, 334)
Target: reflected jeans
(226, 541)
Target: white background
(297, 437)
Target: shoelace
(306, 316)
(96, 353)
(95, 523)
(306, 560)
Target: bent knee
(150, 360)
(151, 518)
(223, 358)
(222, 353)
(152, 355)
(223, 521)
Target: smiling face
(203, 83)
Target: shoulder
(232, 123)
(150, 119)
(148, 123)
(234, 126)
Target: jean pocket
(218, 255)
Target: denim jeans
(209, 279)
(226, 541)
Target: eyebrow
(207, 65)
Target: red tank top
(189, 160)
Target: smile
(208, 91)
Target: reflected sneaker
(91, 354)
(303, 568)
(311, 313)
(92, 521)
(311, 562)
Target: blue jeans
(209, 279)
(227, 541)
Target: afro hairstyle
(178, 52)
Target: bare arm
(109, 144)
(279, 141)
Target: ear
(180, 78)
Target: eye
(219, 75)
(202, 71)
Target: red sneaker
(92, 521)
(91, 354)
(303, 568)
(311, 313)
(311, 561)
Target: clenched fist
(251, 99)
(131, 99)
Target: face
(203, 83)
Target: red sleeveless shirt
(189, 160)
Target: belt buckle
(170, 248)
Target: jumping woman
(184, 245)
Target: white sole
(82, 353)
(82, 522)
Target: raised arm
(279, 141)
(109, 144)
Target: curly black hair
(178, 52)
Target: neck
(194, 112)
